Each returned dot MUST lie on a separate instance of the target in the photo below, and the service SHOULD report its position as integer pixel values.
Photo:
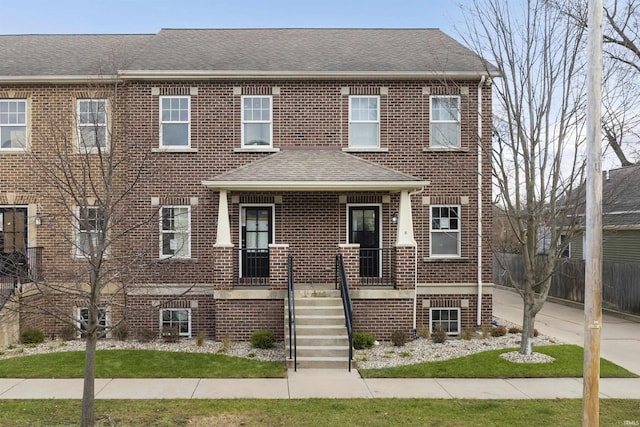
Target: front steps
(322, 340)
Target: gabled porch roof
(313, 170)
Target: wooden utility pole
(593, 240)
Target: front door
(13, 240)
(257, 234)
(364, 228)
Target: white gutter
(59, 79)
(314, 185)
(479, 314)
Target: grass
(489, 364)
(320, 412)
(139, 364)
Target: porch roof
(314, 170)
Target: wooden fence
(620, 281)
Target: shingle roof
(240, 50)
(68, 55)
(323, 169)
(329, 50)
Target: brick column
(405, 266)
(351, 257)
(224, 267)
(278, 254)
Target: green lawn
(139, 364)
(489, 364)
(320, 412)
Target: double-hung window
(175, 122)
(445, 122)
(175, 232)
(257, 123)
(92, 124)
(445, 231)
(364, 121)
(178, 318)
(91, 226)
(13, 124)
(83, 321)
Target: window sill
(14, 150)
(174, 150)
(256, 150)
(445, 149)
(366, 150)
(177, 260)
(445, 259)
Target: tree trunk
(528, 321)
(88, 393)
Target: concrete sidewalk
(318, 383)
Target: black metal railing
(252, 266)
(24, 265)
(293, 345)
(8, 286)
(377, 266)
(343, 284)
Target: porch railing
(343, 283)
(377, 267)
(19, 267)
(293, 339)
(252, 267)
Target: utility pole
(593, 239)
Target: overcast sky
(149, 16)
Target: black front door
(364, 228)
(257, 234)
(13, 240)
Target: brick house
(261, 145)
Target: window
(90, 227)
(256, 121)
(447, 318)
(175, 232)
(566, 252)
(83, 320)
(364, 121)
(13, 124)
(92, 123)
(179, 318)
(445, 231)
(175, 116)
(445, 122)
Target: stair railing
(341, 277)
(293, 346)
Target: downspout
(415, 277)
(479, 248)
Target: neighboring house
(620, 217)
(265, 144)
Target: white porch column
(223, 236)
(405, 221)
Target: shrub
(68, 333)
(498, 331)
(262, 339)
(170, 334)
(398, 338)
(202, 335)
(146, 335)
(468, 334)
(439, 335)
(32, 336)
(423, 332)
(121, 332)
(514, 330)
(535, 332)
(362, 340)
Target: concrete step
(321, 293)
(317, 340)
(320, 362)
(330, 351)
(311, 301)
(319, 310)
(302, 330)
(321, 320)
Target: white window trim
(188, 122)
(107, 321)
(26, 126)
(77, 251)
(94, 149)
(352, 121)
(188, 232)
(431, 231)
(432, 309)
(243, 122)
(188, 310)
(432, 122)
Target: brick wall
(238, 319)
(383, 316)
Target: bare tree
(538, 113)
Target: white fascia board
(315, 185)
(59, 79)
(250, 74)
